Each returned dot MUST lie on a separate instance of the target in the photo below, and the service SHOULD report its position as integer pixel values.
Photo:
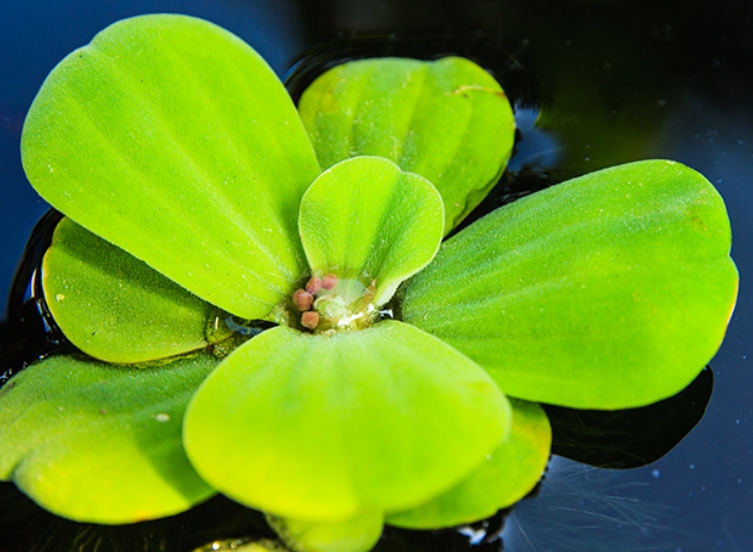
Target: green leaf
(612, 290)
(113, 306)
(171, 138)
(366, 219)
(447, 120)
(358, 534)
(507, 475)
(323, 428)
(98, 443)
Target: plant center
(328, 304)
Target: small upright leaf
(100, 443)
(612, 290)
(447, 120)
(113, 306)
(506, 476)
(324, 428)
(366, 219)
(172, 139)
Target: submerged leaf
(612, 290)
(358, 534)
(171, 138)
(113, 306)
(323, 428)
(505, 477)
(366, 219)
(447, 120)
(99, 443)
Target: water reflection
(576, 501)
(629, 438)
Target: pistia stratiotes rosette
(195, 206)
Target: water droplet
(655, 474)
(692, 466)
(162, 417)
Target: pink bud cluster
(303, 298)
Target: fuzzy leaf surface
(99, 443)
(324, 428)
(447, 120)
(171, 138)
(113, 306)
(506, 476)
(612, 290)
(366, 219)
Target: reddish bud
(302, 300)
(314, 285)
(310, 319)
(329, 281)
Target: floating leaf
(113, 306)
(99, 443)
(323, 428)
(507, 475)
(171, 138)
(447, 120)
(612, 290)
(366, 219)
(358, 534)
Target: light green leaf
(366, 219)
(612, 290)
(99, 443)
(323, 428)
(113, 306)
(358, 534)
(171, 138)
(447, 120)
(507, 475)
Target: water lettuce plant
(266, 306)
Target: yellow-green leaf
(172, 139)
(447, 120)
(113, 306)
(324, 428)
(506, 476)
(612, 290)
(366, 219)
(101, 443)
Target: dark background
(596, 83)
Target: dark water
(596, 83)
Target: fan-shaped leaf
(113, 306)
(324, 428)
(171, 138)
(447, 120)
(366, 219)
(98, 443)
(612, 290)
